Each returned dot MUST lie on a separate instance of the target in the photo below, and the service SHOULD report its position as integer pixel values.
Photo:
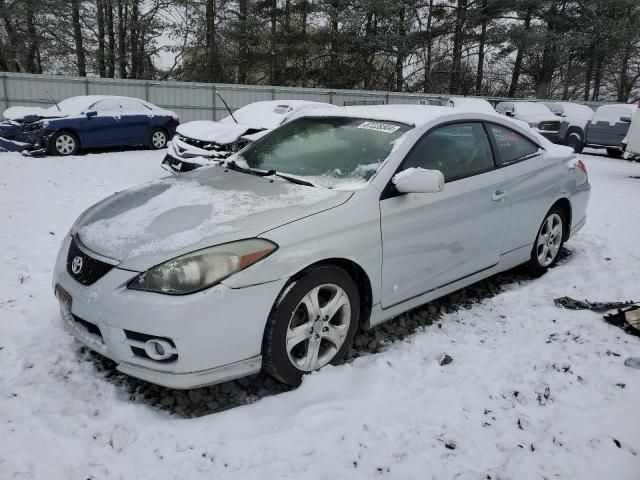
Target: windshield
(72, 105)
(532, 109)
(329, 152)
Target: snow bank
(533, 391)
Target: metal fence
(194, 101)
(191, 101)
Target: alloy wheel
(549, 240)
(318, 327)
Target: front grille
(88, 270)
(551, 126)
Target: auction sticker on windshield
(379, 126)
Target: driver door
(430, 240)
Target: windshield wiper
(295, 180)
(232, 165)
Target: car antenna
(227, 106)
(53, 100)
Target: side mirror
(419, 180)
(625, 118)
(90, 113)
(509, 114)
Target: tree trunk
(400, 56)
(111, 39)
(305, 13)
(134, 32)
(458, 40)
(77, 37)
(243, 47)
(427, 67)
(122, 36)
(589, 73)
(624, 87)
(597, 79)
(481, 42)
(273, 64)
(31, 60)
(100, 52)
(517, 66)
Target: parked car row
(101, 121)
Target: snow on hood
(149, 224)
(19, 113)
(217, 132)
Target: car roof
(415, 115)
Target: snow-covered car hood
(537, 118)
(19, 113)
(217, 132)
(149, 224)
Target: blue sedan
(93, 121)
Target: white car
(575, 118)
(536, 115)
(471, 104)
(338, 220)
(200, 142)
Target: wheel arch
(575, 129)
(354, 270)
(70, 130)
(565, 205)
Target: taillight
(176, 118)
(582, 166)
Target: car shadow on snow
(203, 401)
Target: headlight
(202, 269)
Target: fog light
(158, 349)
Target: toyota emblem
(76, 265)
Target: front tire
(549, 241)
(159, 139)
(614, 152)
(64, 144)
(312, 324)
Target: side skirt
(507, 261)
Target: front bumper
(552, 136)
(182, 157)
(217, 333)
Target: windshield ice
(73, 105)
(327, 151)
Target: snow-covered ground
(533, 391)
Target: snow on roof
(471, 103)
(271, 113)
(414, 115)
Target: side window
(105, 106)
(131, 106)
(511, 146)
(458, 150)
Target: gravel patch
(216, 398)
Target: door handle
(498, 195)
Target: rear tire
(312, 324)
(64, 143)
(614, 152)
(574, 140)
(549, 242)
(159, 139)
